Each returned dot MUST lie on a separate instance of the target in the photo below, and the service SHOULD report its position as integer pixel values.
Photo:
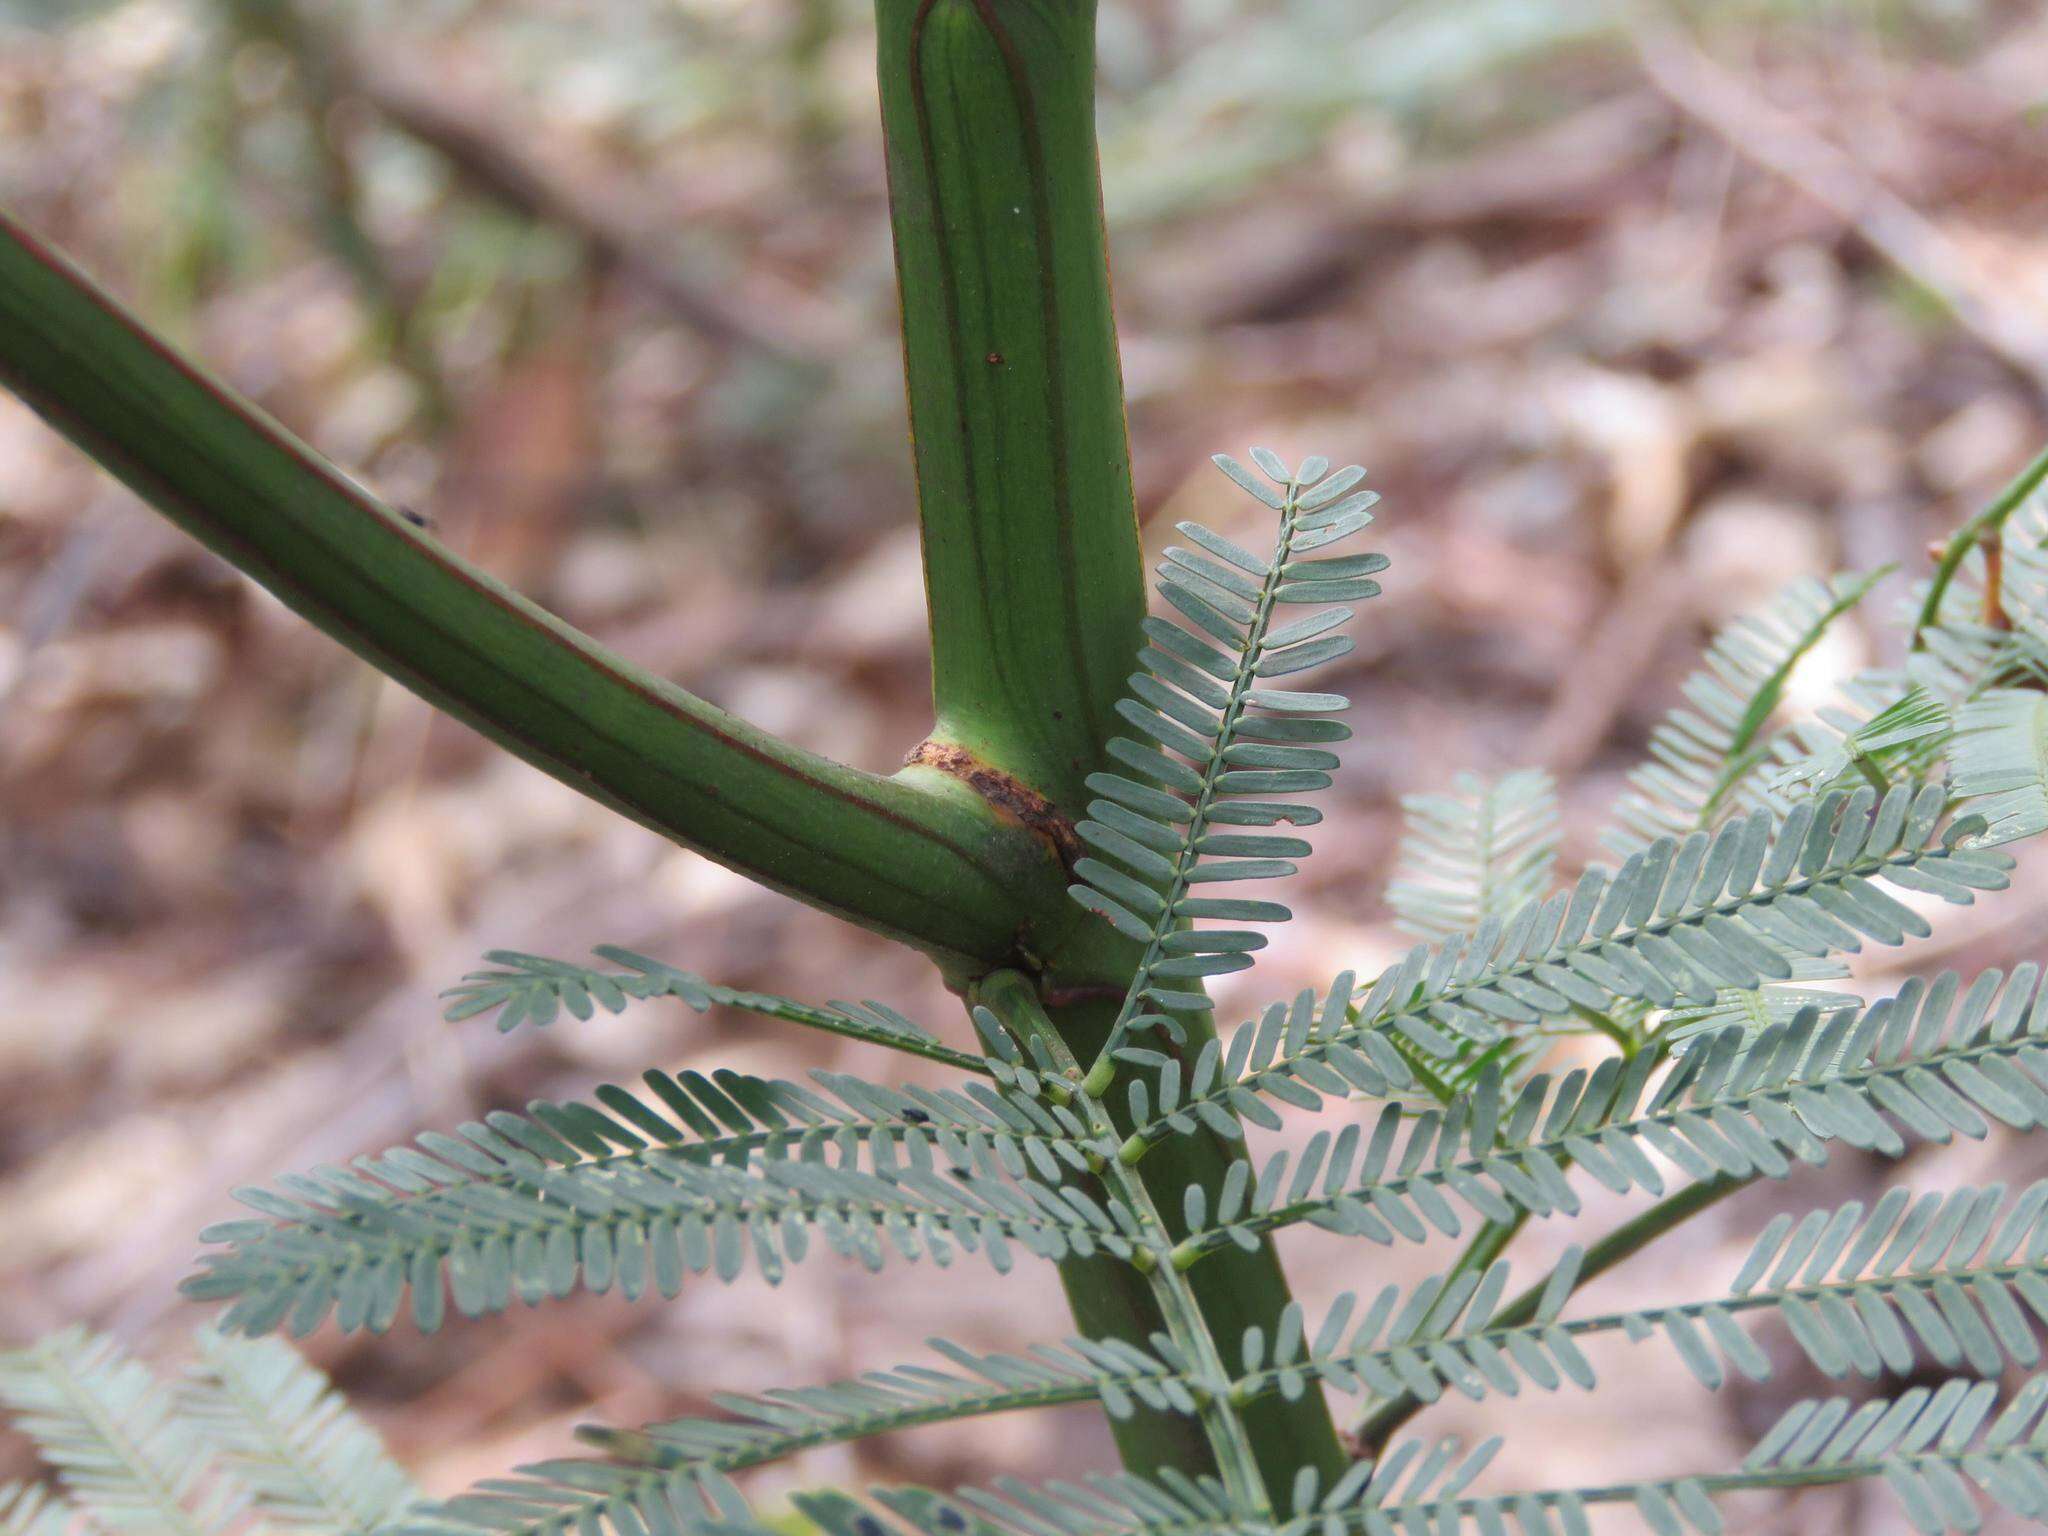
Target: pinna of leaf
(1220, 749)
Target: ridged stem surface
(921, 859)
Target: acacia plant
(1061, 844)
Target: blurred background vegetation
(1635, 315)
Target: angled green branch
(919, 858)
(1377, 1427)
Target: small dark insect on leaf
(917, 1116)
(417, 519)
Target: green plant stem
(1967, 537)
(1222, 1421)
(1032, 569)
(1254, 1385)
(1607, 1025)
(918, 858)
(1383, 1419)
(1235, 1289)
(1033, 576)
(639, 1446)
(1493, 1237)
(1487, 1245)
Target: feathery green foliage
(1482, 851)
(1221, 746)
(282, 1432)
(1892, 745)
(128, 1458)
(578, 1196)
(1754, 860)
(1933, 1447)
(28, 1511)
(2001, 762)
(1678, 923)
(1702, 754)
(250, 1433)
(532, 989)
(1738, 1105)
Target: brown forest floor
(1624, 348)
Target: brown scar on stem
(1995, 616)
(1009, 795)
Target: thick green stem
(1016, 396)
(1234, 1289)
(1015, 1001)
(1032, 567)
(1188, 1325)
(918, 857)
